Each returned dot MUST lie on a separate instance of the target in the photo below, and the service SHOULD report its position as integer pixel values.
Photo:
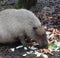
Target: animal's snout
(43, 43)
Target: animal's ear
(34, 28)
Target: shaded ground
(5, 52)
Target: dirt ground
(5, 52)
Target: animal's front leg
(22, 39)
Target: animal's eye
(34, 28)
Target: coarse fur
(19, 22)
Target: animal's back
(20, 15)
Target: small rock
(24, 55)
(19, 47)
(12, 49)
(25, 48)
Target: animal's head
(41, 36)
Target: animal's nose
(45, 44)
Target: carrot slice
(46, 51)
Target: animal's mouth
(42, 41)
(38, 45)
